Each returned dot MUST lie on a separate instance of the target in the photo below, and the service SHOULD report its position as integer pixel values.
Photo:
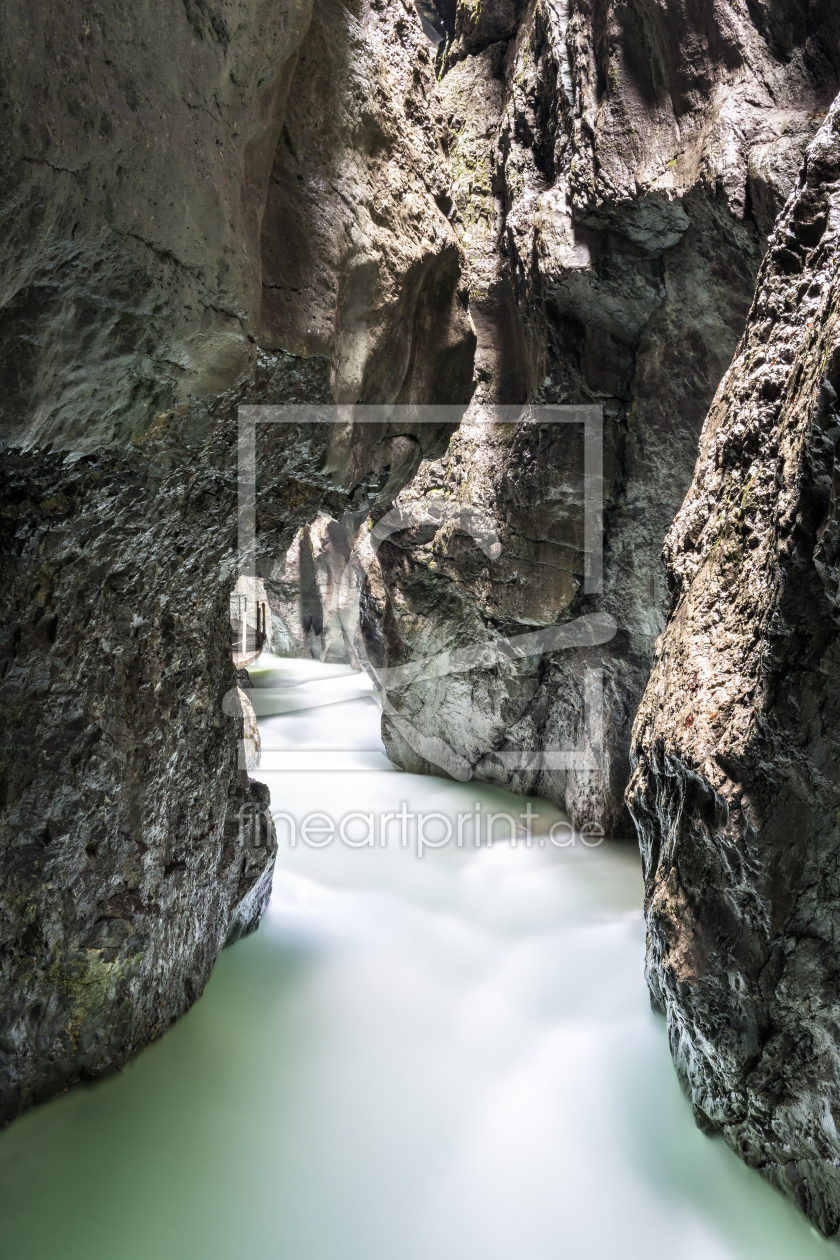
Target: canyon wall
(151, 202)
(313, 593)
(229, 202)
(616, 170)
(137, 147)
(736, 788)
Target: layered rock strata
(616, 169)
(148, 217)
(736, 789)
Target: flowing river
(445, 1056)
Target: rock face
(234, 202)
(736, 789)
(308, 592)
(361, 269)
(137, 147)
(616, 168)
(154, 232)
(144, 301)
(129, 845)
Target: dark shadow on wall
(360, 264)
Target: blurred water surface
(446, 1058)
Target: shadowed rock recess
(176, 165)
(736, 790)
(616, 170)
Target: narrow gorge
(538, 302)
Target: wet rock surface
(135, 324)
(131, 845)
(736, 788)
(615, 171)
(129, 837)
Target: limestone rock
(312, 593)
(736, 789)
(476, 24)
(615, 172)
(360, 263)
(137, 146)
(129, 845)
(251, 742)
(139, 232)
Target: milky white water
(446, 1058)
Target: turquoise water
(446, 1057)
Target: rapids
(439, 1057)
